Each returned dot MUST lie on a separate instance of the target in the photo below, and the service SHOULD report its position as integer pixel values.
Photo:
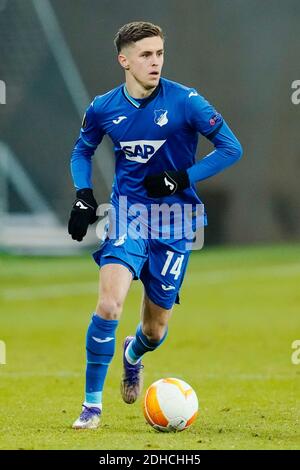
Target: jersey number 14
(176, 266)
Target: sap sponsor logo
(141, 151)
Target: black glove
(83, 213)
(166, 183)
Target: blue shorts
(159, 263)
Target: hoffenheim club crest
(160, 117)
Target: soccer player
(154, 124)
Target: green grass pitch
(230, 339)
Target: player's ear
(123, 61)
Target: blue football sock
(140, 345)
(100, 348)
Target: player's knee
(154, 333)
(109, 308)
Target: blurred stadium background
(242, 301)
(56, 55)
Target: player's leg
(154, 320)
(162, 276)
(150, 334)
(115, 280)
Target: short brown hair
(135, 31)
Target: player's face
(144, 60)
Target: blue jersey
(152, 135)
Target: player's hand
(82, 214)
(166, 183)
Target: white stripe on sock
(93, 405)
(129, 358)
